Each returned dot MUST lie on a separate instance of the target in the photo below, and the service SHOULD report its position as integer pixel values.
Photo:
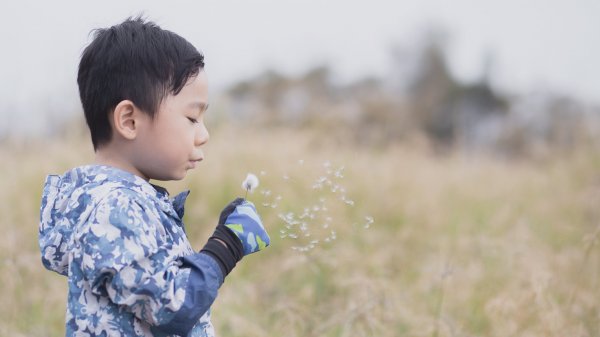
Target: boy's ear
(124, 119)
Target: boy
(119, 239)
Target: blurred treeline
(418, 100)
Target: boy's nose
(202, 136)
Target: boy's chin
(178, 176)
(170, 176)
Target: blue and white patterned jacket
(121, 242)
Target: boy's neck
(109, 158)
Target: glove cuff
(226, 256)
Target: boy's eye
(193, 120)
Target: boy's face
(170, 144)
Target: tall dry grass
(461, 246)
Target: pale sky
(536, 45)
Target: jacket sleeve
(126, 259)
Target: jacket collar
(99, 174)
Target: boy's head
(131, 75)
(136, 61)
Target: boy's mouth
(195, 162)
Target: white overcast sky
(536, 45)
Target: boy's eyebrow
(199, 105)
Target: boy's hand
(241, 218)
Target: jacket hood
(69, 199)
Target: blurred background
(468, 131)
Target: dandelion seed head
(250, 183)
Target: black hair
(135, 60)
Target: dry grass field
(460, 245)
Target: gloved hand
(239, 233)
(241, 218)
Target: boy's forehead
(193, 96)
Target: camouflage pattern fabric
(122, 245)
(247, 226)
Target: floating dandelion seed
(250, 184)
(347, 201)
(311, 225)
(369, 222)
